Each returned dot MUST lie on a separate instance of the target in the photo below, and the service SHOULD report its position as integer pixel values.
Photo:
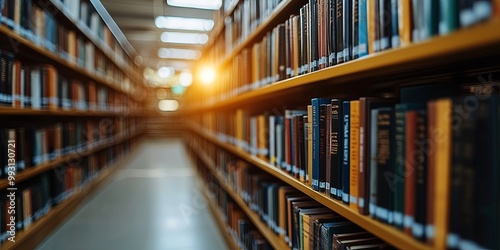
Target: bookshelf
(233, 115)
(392, 235)
(71, 98)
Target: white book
(36, 89)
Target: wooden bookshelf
(40, 229)
(44, 167)
(219, 220)
(458, 47)
(80, 113)
(271, 237)
(386, 232)
(280, 13)
(84, 30)
(22, 44)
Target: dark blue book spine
(315, 103)
(336, 147)
(347, 15)
(363, 29)
(346, 108)
(396, 41)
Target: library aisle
(150, 203)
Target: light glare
(186, 54)
(184, 23)
(168, 105)
(184, 38)
(207, 4)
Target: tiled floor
(150, 203)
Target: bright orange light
(207, 75)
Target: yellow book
(370, 19)
(282, 208)
(405, 21)
(354, 155)
(240, 123)
(262, 136)
(309, 145)
(442, 171)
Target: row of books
(35, 197)
(38, 21)
(406, 164)
(40, 26)
(42, 86)
(295, 218)
(330, 32)
(38, 144)
(241, 230)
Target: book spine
(363, 161)
(442, 163)
(309, 145)
(385, 182)
(335, 149)
(420, 174)
(305, 150)
(323, 109)
(448, 19)
(362, 28)
(272, 140)
(340, 31)
(332, 33)
(376, 31)
(410, 171)
(347, 26)
(431, 10)
(395, 39)
(355, 29)
(466, 13)
(354, 154)
(301, 164)
(372, 209)
(385, 18)
(346, 153)
(432, 133)
(315, 144)
(399, 167)
(483, 9)
(405, 21)
(313, 35)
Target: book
(346, 111)
(324, 147)
(355, 29)
(442, 163)
(374, 172)
(354, 154)
(309, 145)
(448, 18)
(400, 159)
(315, 105)
(336, 148)
(363, 42)
(418, 228)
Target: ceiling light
(168, 105)
(184, 38)
(186, 54)
(185, 79)
(184, 23)
(165, 72)
(198, 4)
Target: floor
(150, 203)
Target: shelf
(102, 46)
(460, 46)
(218, 219)
(39, 169)
(17, 40)
(60, 112)
(30, 238)
(219, 27)
(280, 13)
(383, 231)
(271, 237)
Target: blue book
(316, 102)
(363, 29)
(396, 41)
(346, 110)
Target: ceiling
(136, 18)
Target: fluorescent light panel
(184, 23)
(186, 54)
(184, 38)
(198, 4)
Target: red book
(410, 170)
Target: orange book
(370, 12)
(405, 21)
(262, 136)
(27, 208)
(50, 82)
(496, 6)
(72, 46)
(92, 96)
(443, 137)
(16, 84)
(354, 154)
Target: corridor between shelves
(150, 203)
